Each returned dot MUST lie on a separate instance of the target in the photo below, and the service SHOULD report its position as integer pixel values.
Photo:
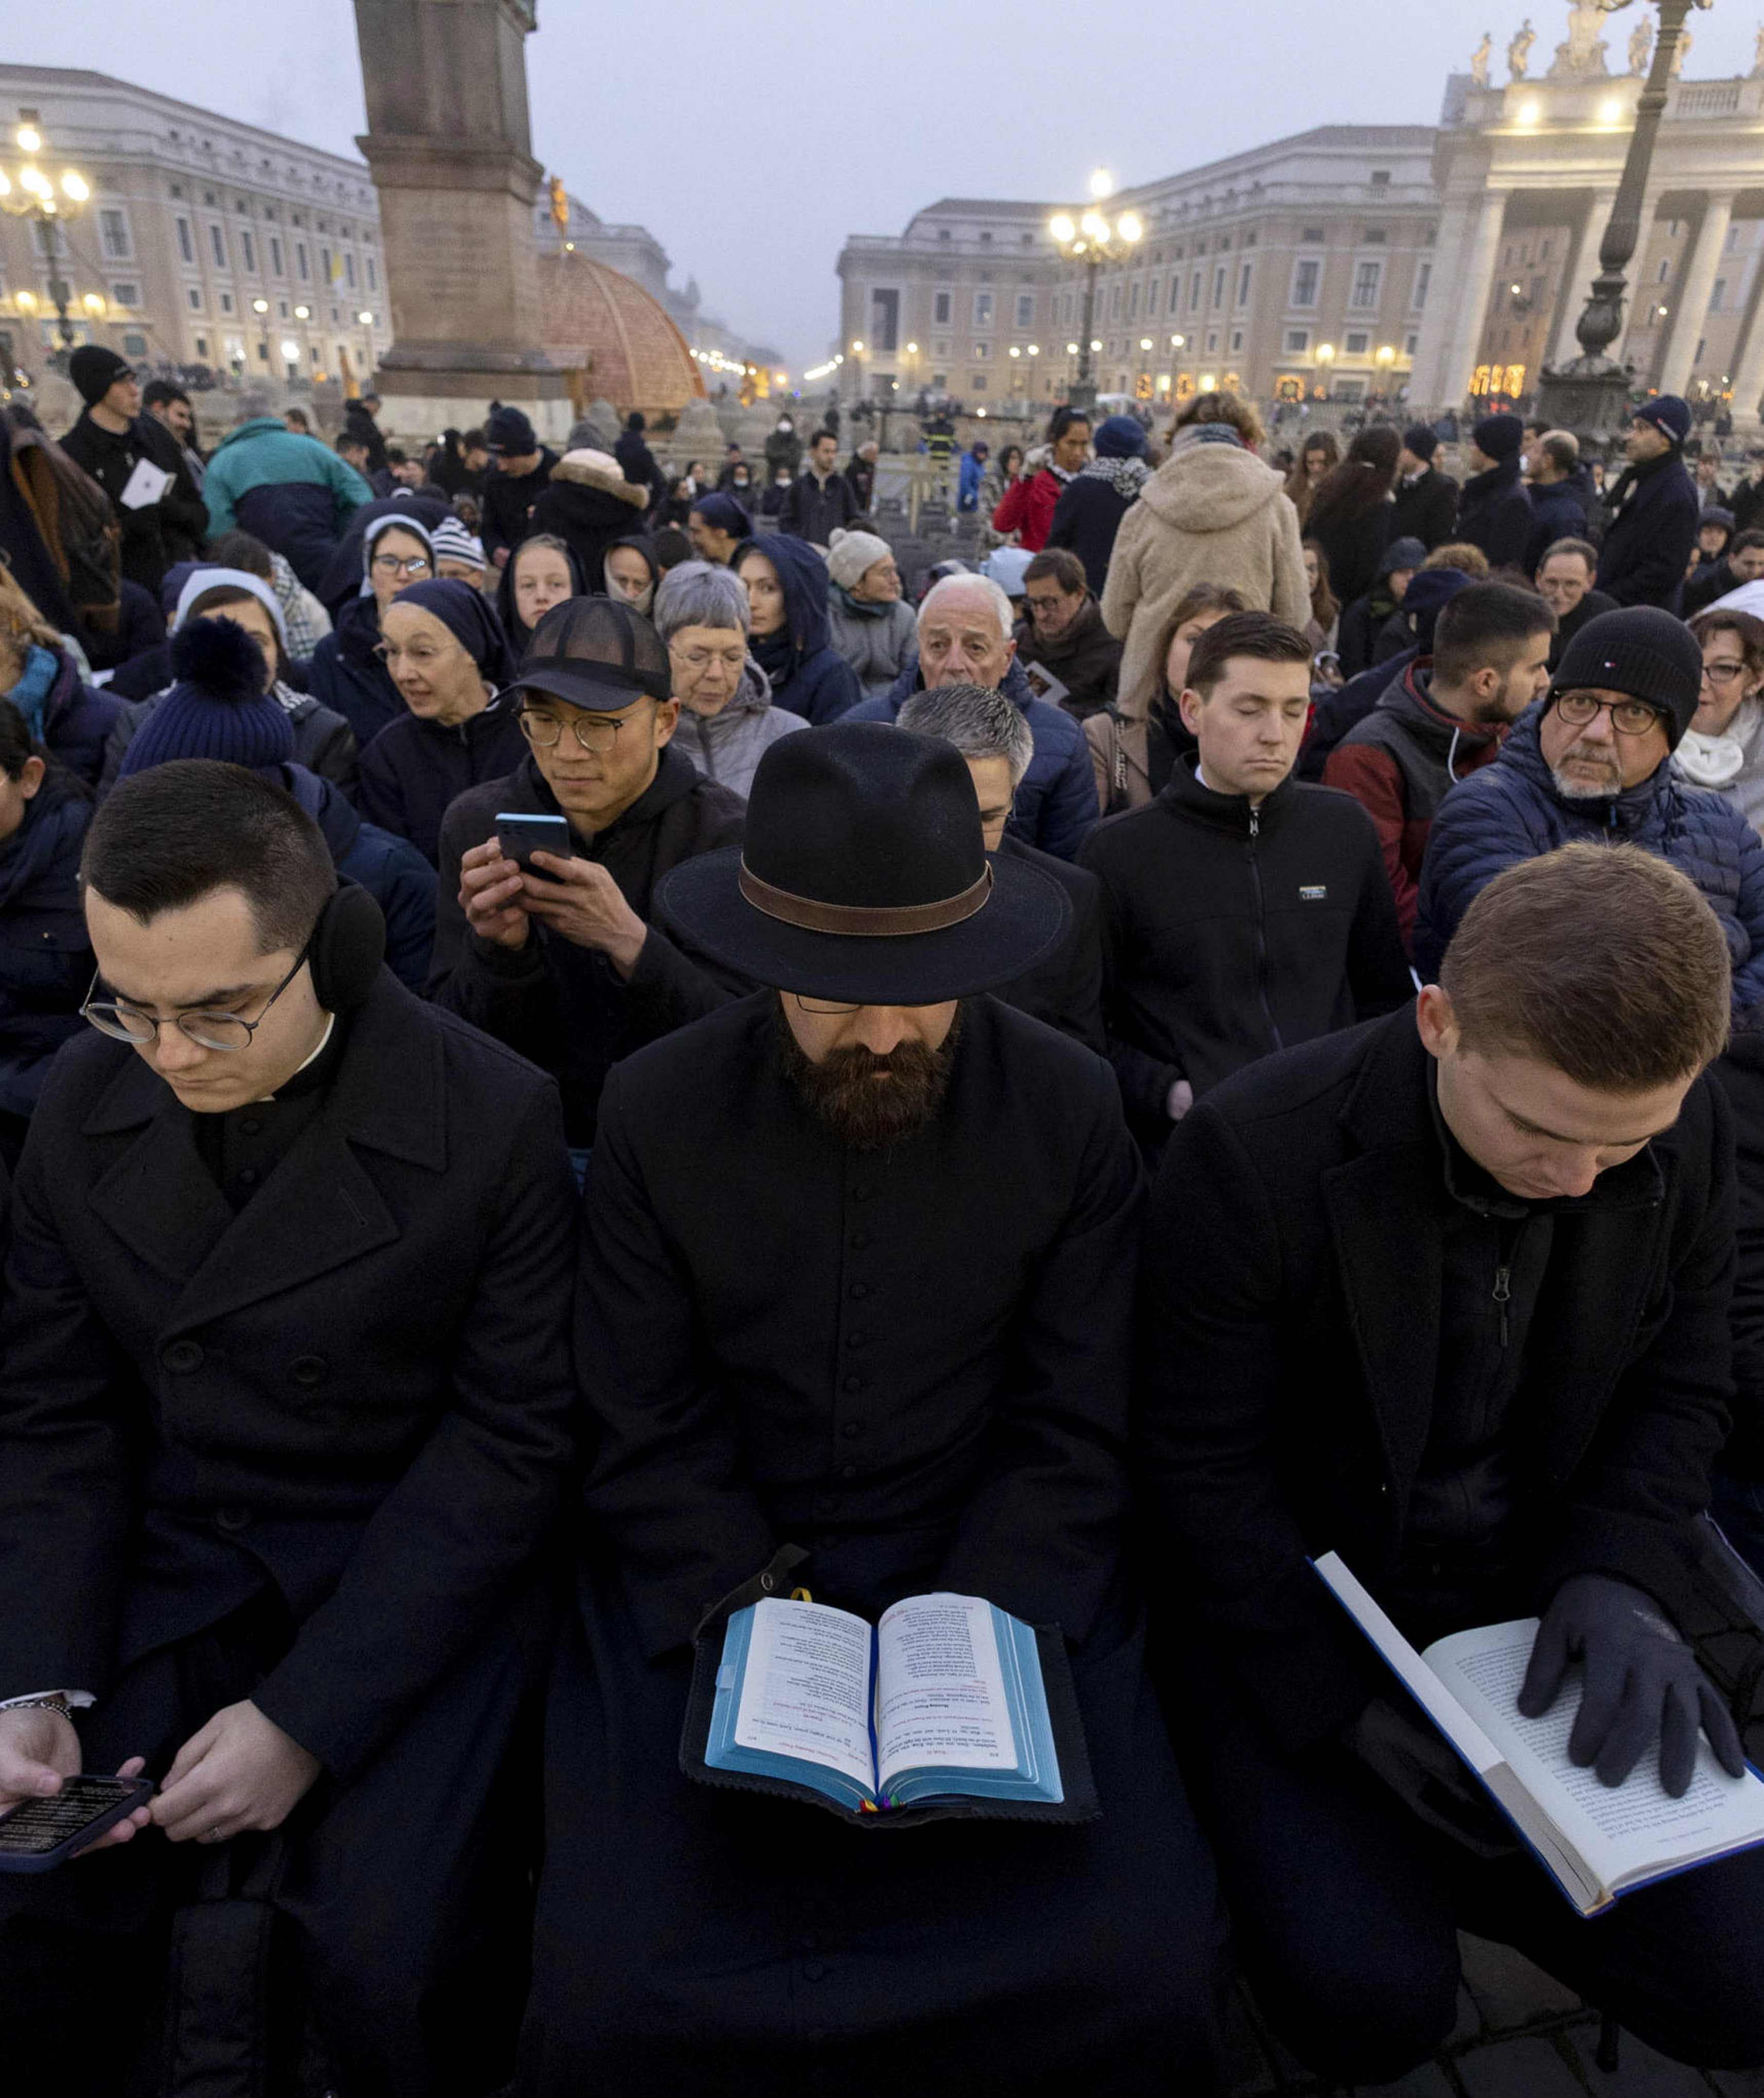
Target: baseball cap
(596, 652)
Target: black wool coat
(414, 770)
(1647, 543)
(1290, 1344)
(567, 1007)
(1229, 933)
(156, 534)
(1086, 519)
(357, 1386)
(1065, 988)
(1426, 509)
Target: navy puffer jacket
(1510, 811)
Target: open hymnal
(1596, 1841)
(944, 1700)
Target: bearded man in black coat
(1449, 1294)
(285, 1399)
(859, 1284)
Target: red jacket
(1027, 508)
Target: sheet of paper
(1626, 1828)
(145, 485)
(941, 1701)
(807, 1691)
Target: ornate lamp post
(1590, 392)
(27, 192)
(1093, 240)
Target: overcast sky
(751, 140)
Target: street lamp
(27, 192)
(1093, 239)
(1591, 392)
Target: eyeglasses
(389, 564)
(701, 659)
(593, 731)
(1038, 603)
(823, 1006)
(1723, 674)
(225, 1031)
(1628, 717)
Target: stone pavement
(1519, 2035)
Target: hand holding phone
(39, 1834)
(520, 836)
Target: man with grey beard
(1590, 761)
(856, 1316)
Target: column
(1472, 304)
(1430, 389)
(1690, 307)
(1584, 269)
(1748, 373)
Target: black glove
(1640, 1677)
(1408, 1756)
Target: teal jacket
(265, 450)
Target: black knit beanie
(1641, 650)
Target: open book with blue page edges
(947, 1705)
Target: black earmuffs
(347, 947)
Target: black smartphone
(521, 836)
(39, 1834)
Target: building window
(980, 382)
(217, 244)
(941, 308)
(939, 381)
(1243, 284)
(349, 270)
(983, 352)
(1358, 342)
(1237, 341)
(985, 239)
(125, 295)
(1372, 236)
(113, 232)
(1218, 285)
(1367, 277)
(1152, 291)
(1133, 304)
(1297, 341)
(282, 310)
(49, 241)
(301, 262)
(943, 233)
(1312, 236)
(1212, 340)
(1305, 277)
(1665, 272)
(1176, 292)
(983, 309)
(275, 256)
(134, 345)
(247, 247)
(1423, 276)
(1025, 310)
(1718, 294)
(326, 275)
(1380, 178)
(226, 302)
(193, 293)
(941, 349)
(884, 319)
(373, 276)
(202, 346)
(1410, 344)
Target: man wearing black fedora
(857, 1298)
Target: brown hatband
(861, 921)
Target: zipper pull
(1255, 824)
(1503, 1296)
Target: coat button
(812, 1970)
(856, 1383)
(232, 1518)
(181, 1356)
(852, 1429)
(311, 1369)
(858, 1289)
(848, 1471)
(862, 1191)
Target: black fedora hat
(864, 879)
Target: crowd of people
(578, 1052)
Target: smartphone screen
(37, 1827)
(520, 836)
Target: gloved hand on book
(1639, 1679)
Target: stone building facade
(206, 241)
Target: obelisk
(448, 146)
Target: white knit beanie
(851, 554)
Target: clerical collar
(318, 1068)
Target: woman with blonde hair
(1213, 513)
(1136, 743)
(42, 679)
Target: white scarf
(1709, 760)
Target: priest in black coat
(858, 1282)
(285, 1402)
(1448, 1294)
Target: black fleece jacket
(1231, 932)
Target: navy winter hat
(1119, 437)
(1641, 650)
(466, 614)
(94, 370)
(723, 513)
(1427, 597)
(508, 430)
(1422, 439)
(218, 707)
(1401, 554)
(1668, 414)
(1498, 436)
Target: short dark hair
(172, 834)
(1063, 565)
(1745, 627)
(831, 436)
(1062, 419)
(242, 550)
(161, 392)
(1745, 541)
(1602, 961)
(349, 441)
(474, 440)
(1255, 633)
(1585, 548)
(396, 456)
(1486, 625)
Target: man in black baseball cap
(139, 465)
(559, 958)
(857, 1301)
(1589, 761)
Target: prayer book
(145, 485)
(1596, 1842)
(948, 1704)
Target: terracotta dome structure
(607, 328)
